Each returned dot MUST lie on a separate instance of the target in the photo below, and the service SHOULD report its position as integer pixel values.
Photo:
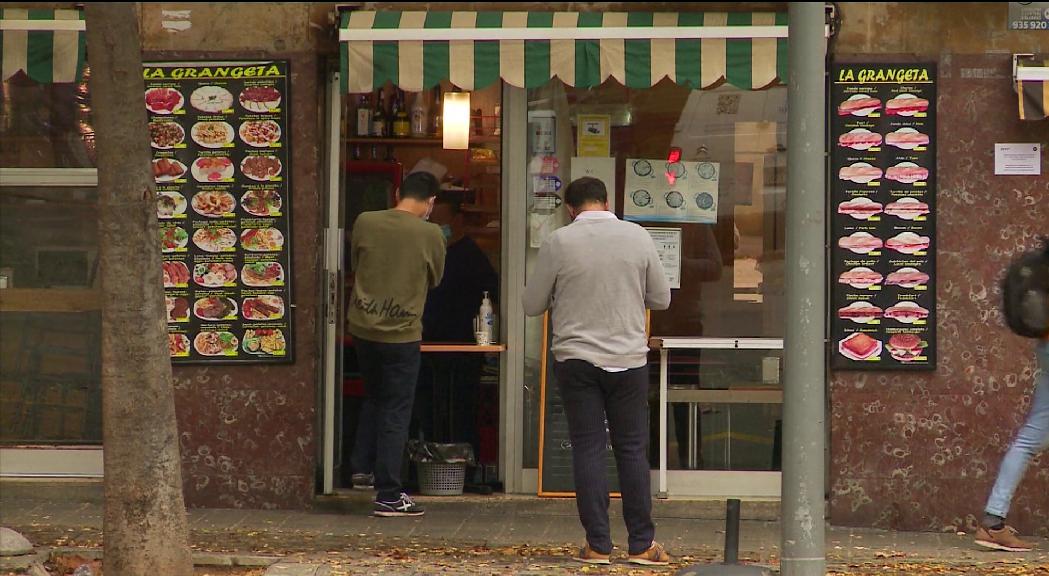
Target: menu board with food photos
(219, 133)
(883, 221)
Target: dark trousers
(390, 372)
(591, 396)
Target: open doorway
(382, 137)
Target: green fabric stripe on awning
(435, 63)
(486, 53)
(638, 53)
(588, 53)
(688, 55)
(738, 55)
(537, 52)
(435, 52)
(41, 50)
(386, 55)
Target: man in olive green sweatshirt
(397, 257)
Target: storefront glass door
(705, 172)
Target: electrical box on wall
(770, 370)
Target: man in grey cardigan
(597, 276)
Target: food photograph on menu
(883, 216)
(219, 136)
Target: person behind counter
(397, 257)
(450, 310)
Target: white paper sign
(1018, 159)
(661, 191)
(542, 126)
(604, 169)
(668, 244)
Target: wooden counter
(449, 347)
(434, 347)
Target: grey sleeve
(540, 287)
(657, 289)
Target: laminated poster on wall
(594, 135)
(668, 245)
(542, 132)
(660, 191)
(545, 199)
(883, 225)
(219, 134)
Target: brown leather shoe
(587, 555)
(1004, 539)
(654, 556)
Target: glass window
(731, 250)
(50, 357)
(45, 125)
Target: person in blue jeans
(1032, 438)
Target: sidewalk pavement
(494, 535)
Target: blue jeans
(1032, 438)
(390, 372)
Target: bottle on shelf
(379, 129)
(438, 112)
(402, 126)
(487, 319)
(420, 116)
(364, 117)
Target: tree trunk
(145, 516)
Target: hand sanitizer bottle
(487, 317)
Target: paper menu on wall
(668, 245)
(661, 191)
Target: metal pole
(732, 531)
(802, 516)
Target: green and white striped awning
(416, 50)
(48, 45)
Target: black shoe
(403, 506)
(364, 481)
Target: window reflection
(50, 357)
(45, 125)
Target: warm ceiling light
(456, 120)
